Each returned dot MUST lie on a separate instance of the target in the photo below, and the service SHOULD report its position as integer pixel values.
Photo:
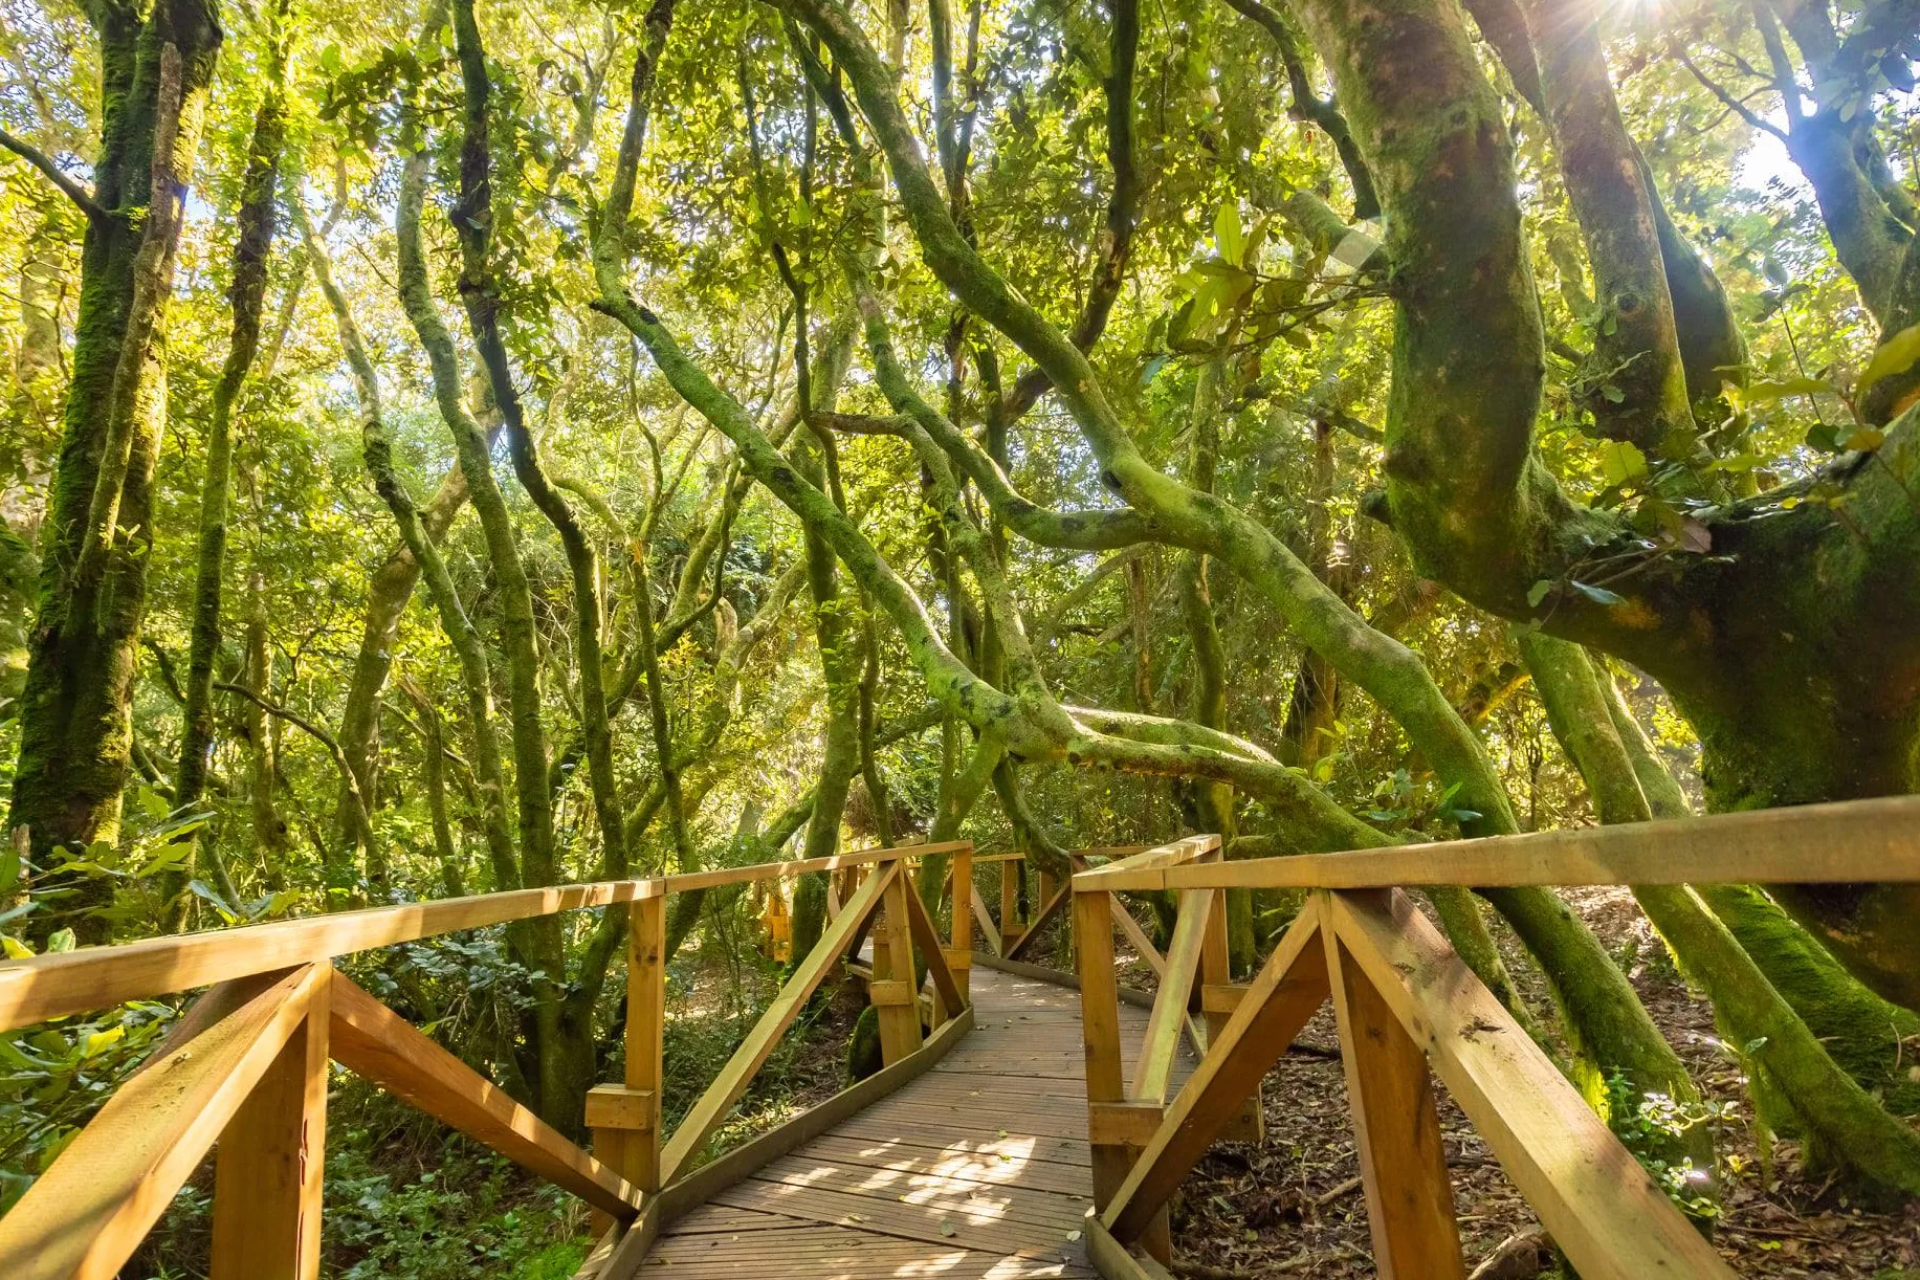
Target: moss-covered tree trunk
(1212, 801)
(1843, 1124)
(76, 737)
(253, 243)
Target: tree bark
(76, 707)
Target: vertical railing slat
(268, 1168)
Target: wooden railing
(1408, 1008)
(246, 1068)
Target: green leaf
(1865, 440)
(1896, 355)
(15, 949)
(1227, 233)
(1539, 591)
(1765, 390)
(1599, 595)
(1621, 461)
(98, 1042)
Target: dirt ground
(1292, 1206)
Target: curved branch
(1309, 106)
(1386, 669)
(69, 187)
(363, 824)
(1116, 240)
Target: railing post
(893, 990)
(960, 955)
(1107, 1106)
(1010, 873)
(625, 1118)
(1216, 972)
(268, 1168)
(1396, 1127)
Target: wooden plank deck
(978, 1170)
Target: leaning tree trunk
(1844, 1126)
(77, 731)
(1212, 801)
(839, 669)
(1863, 1033)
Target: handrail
(53, 986)
(247, 1066)
(1848, 841)
(1406, 1006)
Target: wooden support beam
(985, 920)
(1286, 992)
(1100, 1030)
(1169, 1017)
(713, 1105)
(1042, 916)
(1216, 970)
(1112, 1260)
(594, 1265)
(1592, 1196)
(624, 1119)
(379, 1045)
(964, 894)
(1124, 1124)
(646, 1036)
(1011, 875)
(269, 1165)
(1396, 1127)
(893, 959)
(1142, 944)
(616, 1106)
(890, 993)
(88, 1212)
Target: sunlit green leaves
(1622, 462)
(1896, 355)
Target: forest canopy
(459, 447)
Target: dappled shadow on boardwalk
(978, 1170)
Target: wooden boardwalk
(978, 1170)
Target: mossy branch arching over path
(1177, 514)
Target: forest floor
(1292, 1206)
